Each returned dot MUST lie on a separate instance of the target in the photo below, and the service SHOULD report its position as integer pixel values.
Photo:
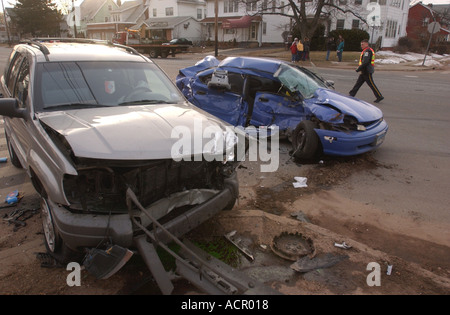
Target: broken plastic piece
(343, 245)
(389, 270)
(238, 243)
(105, 263)
(13, 197)
(300, 182)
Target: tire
(53, 243)
(153, 53)
(12, 154)
(164, 54)
(305, 142)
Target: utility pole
(74, 19)
(216, 27)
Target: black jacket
(366, 62)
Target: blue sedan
(262, 93)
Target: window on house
(252, 5)
(340, 24)
(169, 11)
(154, 12)
(425, 21)
(282, 7)
(355, 24)
(199, 14)
(264, 28)
(230, 6)
(274, 5)
(391, 29)
(342, 1)
(395, 3)
(358, 2)
(106, 19)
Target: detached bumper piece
(206, 273)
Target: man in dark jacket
(366, 66)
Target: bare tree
(306, 14)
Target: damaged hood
(327, 104)
(132, 132)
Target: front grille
(102, 188)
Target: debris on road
(236, 241)
(292, 246)
(343, 245)
(306, 264)
(300, 182)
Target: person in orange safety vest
(366, 67)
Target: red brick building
(421, 15)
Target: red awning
(242, 22)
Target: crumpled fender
(331, 106)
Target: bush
(352, 38)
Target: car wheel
(153, 54)
(305, 141)
(53, 243)
(12, 154)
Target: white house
(240, 22)
(386, 19)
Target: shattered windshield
(75, 85)
(300, 81)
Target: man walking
(366, 66)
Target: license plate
(380, 139)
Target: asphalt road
(417, 109)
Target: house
(167, 28)
(93, 19)
(386, 19)
(241, 22)
(421, 15)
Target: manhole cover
(292, 246)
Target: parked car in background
(184, 43)
(90, 122)
(259, 92)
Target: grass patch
(221, 249)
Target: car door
(18, 80)
(272, 104)
(226, 104)
(275, 109)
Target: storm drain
(292, 246)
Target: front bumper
(88, 230)
(352, 143)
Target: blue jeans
(339, 55)
(328, 55)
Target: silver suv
(91, 122)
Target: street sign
(434, 27)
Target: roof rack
(38, 42)
(39, 45)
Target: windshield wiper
(75, 106)
(146, 102)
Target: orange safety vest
(362, 54)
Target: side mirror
(9, 107)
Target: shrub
(352, 38)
